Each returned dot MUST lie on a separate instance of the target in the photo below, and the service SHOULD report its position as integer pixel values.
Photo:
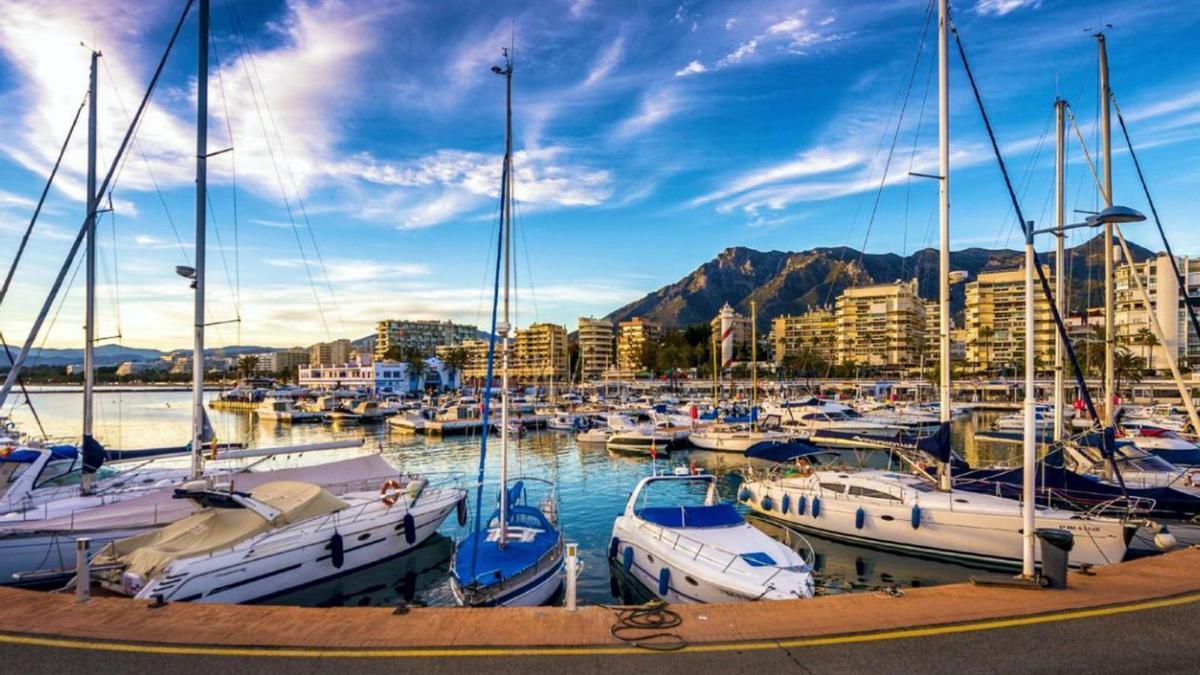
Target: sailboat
(516, 558)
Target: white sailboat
(516, 558)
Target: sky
(367, 139)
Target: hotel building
(995, 319)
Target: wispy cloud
(656, 107)
(693, 68)
(608, 60)
(1002, 7)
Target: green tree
(1148, 340)
(395, 353)
(1127, 367)
(247, 365)
(455, 361)
(416, 365)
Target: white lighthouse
(727, 318)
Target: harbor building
(143, 367)
(474, 368)
(631, 343)
(282, 360)
(1132, 318)
(596, 351)
(811, 333)
(380, 377)
(730, 330)
(995, 320)
(880, 325)
(540, 353)
(423, 335)
(329, 353)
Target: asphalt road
(1149, 641)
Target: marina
(832, 449)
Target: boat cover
(783, 452)
(716, 515)
(158, 507)
(27, 455)
(218, 528)
(482, 562)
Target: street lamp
(1111, 215)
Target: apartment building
(1132, 318)
(880, 325)
(631, 340)
(995, 321)
(596, 350)
(423, 335)
(813, 332)
(329, 353)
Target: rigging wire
(237, 253)
(243, 45)
(287, 163)
(149, 171)
(41, 201)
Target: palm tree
(416, 366)
(247, 365)
(455, 361)
(1148, 340)
(1127, 367)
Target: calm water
(593, 487)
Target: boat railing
(1122, 506)
(710, 553)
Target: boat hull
(962, 534)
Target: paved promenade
(1146, 602)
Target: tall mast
(201, 214)
(503, 327)
(1060, 293)
(1110, 335)
(89, 312)
(944, 224)
(754, 361)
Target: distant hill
(783, 282)
(111, 355)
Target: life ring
(389, 492)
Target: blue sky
(650, 136)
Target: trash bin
(1056, 553)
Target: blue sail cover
(1055, 480)
(783, 452)
(28, 455)
(493, 565)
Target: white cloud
(693, 68)
(607, 61)
(448, 183)
(579, 7)
(1002, 7)
(793, 34)
(656, 107)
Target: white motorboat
(735, 438)
(31, 544)
(566, 422)
(1043, 420)
(905, 513)
(647, 439)
(595, 435)
(274, 409)
(245, 547)
(1168, 444)
(706, 552)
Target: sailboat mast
(944, 224)
(1107, 248)
(1060, 292)
(201, 214)
(754, 361)
(89, 312)
(503, 328)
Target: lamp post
(1107, 217)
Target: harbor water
(593, 486)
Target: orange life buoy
(390, 491)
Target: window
(856, 490)
(838, 488)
